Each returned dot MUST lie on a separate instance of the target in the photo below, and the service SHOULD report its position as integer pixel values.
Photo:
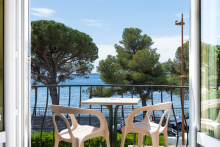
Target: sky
(105, 20)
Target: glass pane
(1, 65)
(210, 67)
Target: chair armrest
(65, 120)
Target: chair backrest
(71, 110)
(162, 106)
(57, 111)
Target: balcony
(73, 95)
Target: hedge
(47, 140)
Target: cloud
(184, 16)
(95, 23)
(104, 51)
(167, 45)
(42, 12)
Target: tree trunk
(54, 95)
(144, 103)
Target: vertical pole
(34, 111)
(80, 99)
(42, 125)
(152, 100)
(101, 96)
(182, 78)
(194, 72)
(122, 109)
(90, 107)
(59, 95)
(171, 94)
(69, 102)
(134, 139)
(132, 95)
(110, 123)
(164, 120)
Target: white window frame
(17, 73)
(196, 138)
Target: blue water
(92, 80)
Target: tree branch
(41, 76)
(34, 61)
(40, 81)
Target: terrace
(72, 95)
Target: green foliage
(47, 140)
(105, 91)
(211, 94)
(136, 63)
(96, 91)
(210, 65)
(129, 140)
(57, 51)
(173, 68)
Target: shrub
(47, 140)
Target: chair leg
(140, 140)
(56, 143)
(123, 137)
(166, 138)
(82, 144)
(155, 140)
(123, 140)
(107, 141)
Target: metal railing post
(122, 109)
(68, 103)
(171, 94)
(101, 96)
(152, 101)
(35, 104)
(90, 107)
(42, 125)
(80, 99)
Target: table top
(111, 101)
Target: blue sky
(104, 21)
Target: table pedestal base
(115, 124)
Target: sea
(94, 79)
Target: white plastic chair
(212, 125)
(77, 134)
(146, 127)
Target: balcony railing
(41, 116)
